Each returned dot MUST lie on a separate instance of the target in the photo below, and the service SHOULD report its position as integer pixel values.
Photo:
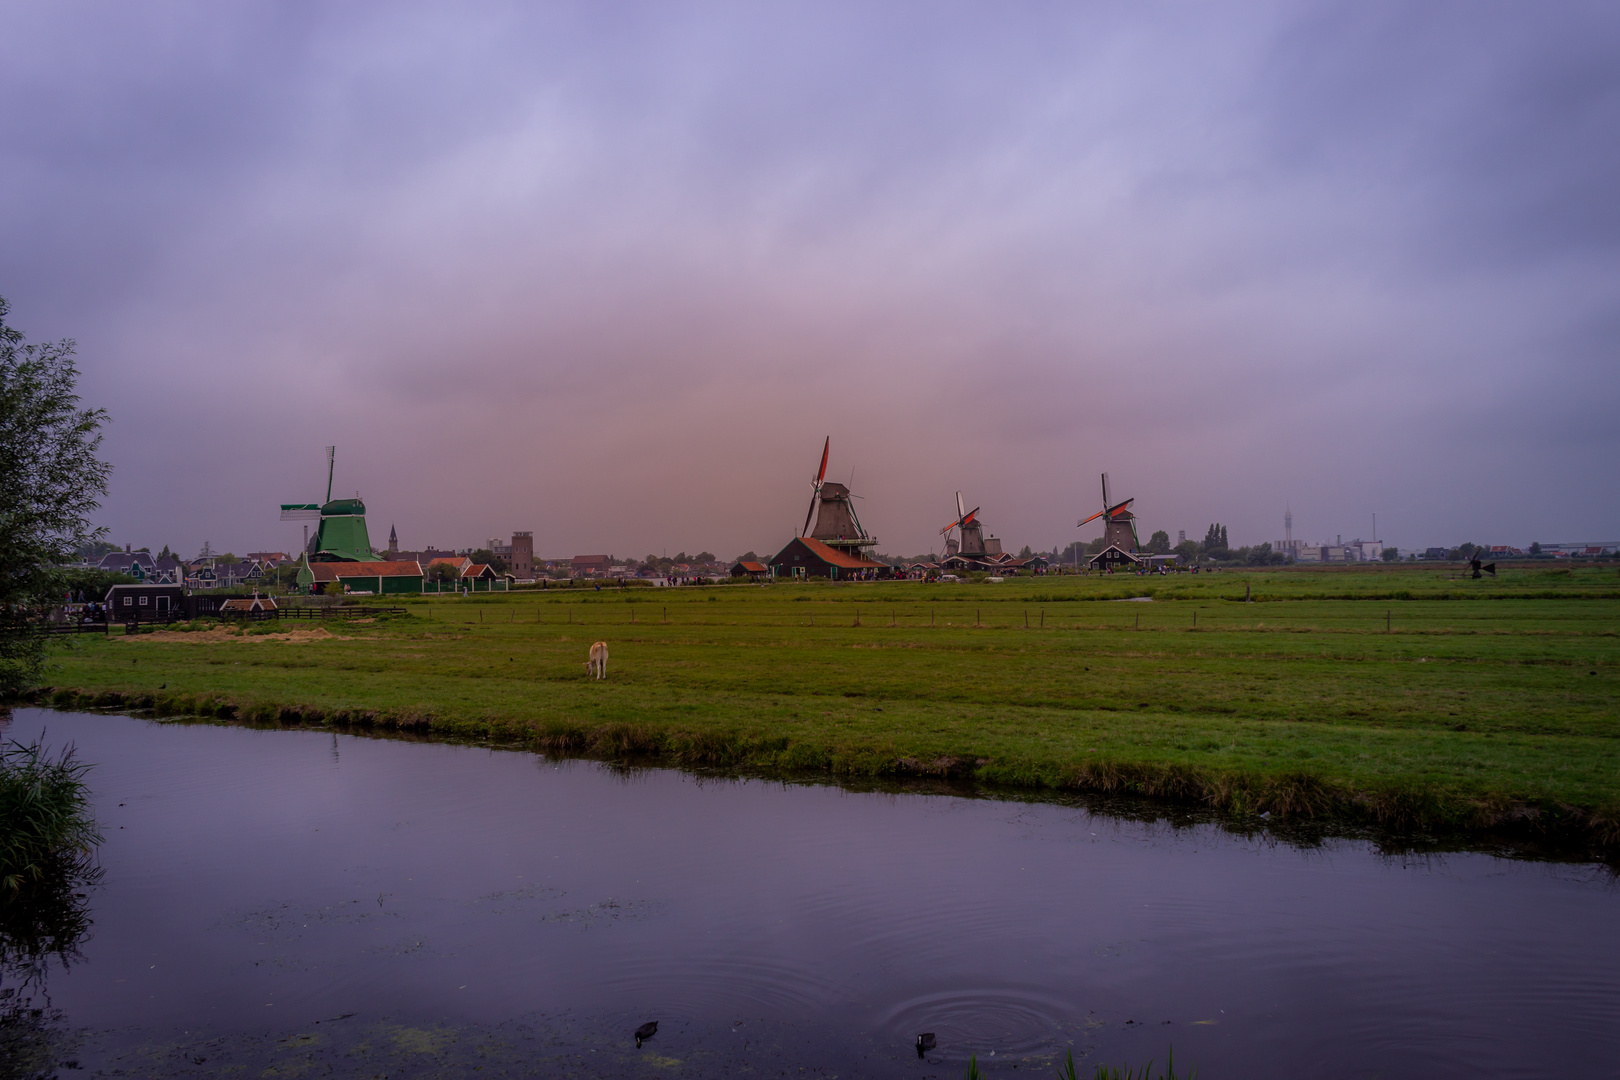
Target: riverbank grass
(1414, 698)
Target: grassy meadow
(1409, 697)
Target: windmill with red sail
(832, 510)
(1120, 543)
(832, 542)
(970, 533)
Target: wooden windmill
(1119, 528)
(832, 513)
(341, 535)
(969, 531)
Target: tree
(484, 555)
(1535, 547)
(1391, 554)
(50, 482)
(95, 549)
(703, 557)
(165, 553)
(1159, 543)
(1214, 544)
(1026, 553)
(1188, 550)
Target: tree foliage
(51, 481)
(1159, 543)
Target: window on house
(143, 601)
(127, 600)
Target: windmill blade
(1105, 489)
(814, 498)
(1489, 568)
(960, 512)
(821, 473)
(1115, 511)
(300, 512)
(1093, 517)
(971, 514)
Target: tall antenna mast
(1375, 528)
(331, 462)
(1288, 527)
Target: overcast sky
(612, 272)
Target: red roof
(333, 571)
(753, 567)
(833, 557)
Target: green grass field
(1408, 697)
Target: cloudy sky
(612, 272)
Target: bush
(45, 805)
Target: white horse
(597, 664)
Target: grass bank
(1408, 698)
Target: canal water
(299, 903)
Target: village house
(806, 556)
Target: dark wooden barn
(808, 557)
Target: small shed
(132, 603)
(481, 577)
(750, 569)
(248, 605)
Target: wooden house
(133, 603)
(805, 556)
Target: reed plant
(49, 833)
(1067, 1071)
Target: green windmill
(341, 535)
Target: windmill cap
(343, 507)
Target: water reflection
(42, 927)
(392, 907)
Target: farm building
(590, 565)
(381, 578)
(750, 569)
(133, 602)
(1112, 557)
(806, 556)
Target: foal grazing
(597, 664)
